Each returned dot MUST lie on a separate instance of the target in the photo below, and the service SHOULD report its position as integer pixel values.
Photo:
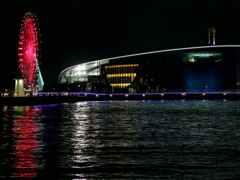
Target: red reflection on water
(25, 131)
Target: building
(205, 68)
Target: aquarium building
(204, 68)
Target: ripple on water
(118, 139)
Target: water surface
(122, 139)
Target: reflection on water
(125, 140)
(19, 131)
(25, 150)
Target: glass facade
(81, 72)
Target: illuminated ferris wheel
(28, 56)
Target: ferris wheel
(28, 56)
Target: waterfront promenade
(42, 98)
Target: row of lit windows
(120, 85)
(122, 75)
(124, 65)
(120, 70)
(120, 80)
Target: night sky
(77, 31)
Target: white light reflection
(81, 177)
(80, 143)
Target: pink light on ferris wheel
(29, 50)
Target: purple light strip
(123, 94)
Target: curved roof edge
(153, 52)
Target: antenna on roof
(211, 33)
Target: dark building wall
(204, 75)
(174, 70)
(227, 75)
(156, 71)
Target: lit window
(202, 57)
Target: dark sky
(75, 31)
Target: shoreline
(56, 98)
